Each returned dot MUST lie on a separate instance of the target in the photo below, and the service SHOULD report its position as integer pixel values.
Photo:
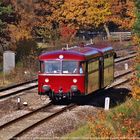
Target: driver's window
(82, 68)
(70, 67)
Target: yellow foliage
(19, 32)
(83, 12)
(136, 91)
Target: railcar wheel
(69, 97)
(55, 99)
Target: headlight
(74, 80)
(46, 80)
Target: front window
(65, 67)
(52, 66)
(69, 67)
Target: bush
(121, 122)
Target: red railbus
(75, 71)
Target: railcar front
(62, 74)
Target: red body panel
(61, 81)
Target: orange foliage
(122, 13)
(74, 13)
(67, 33)
(32, 14)
(19, 32)
(120, 126)
(22, 29)
(98, 129)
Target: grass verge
(120, 122)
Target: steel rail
(124, 73)
(17, 90)
(23, 116)
(69, 107)
(35, 123)
(17, 85)
(117, 60)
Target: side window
(108, 60)
(41, 66)
(93, 65)
(82, 67)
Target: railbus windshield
(61, 67)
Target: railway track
(128, 49)
(16, 89)
(25, 123)
(21, 125)
(125, 58)
(121, 78)
(9, 91)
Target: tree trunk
(107, 32)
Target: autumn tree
(26, 20)
(20, 30)
(81, 13)
(6, 14)
(122, 13)
(47, 26)
(96, 13)
(45, 17)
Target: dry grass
(18, 75)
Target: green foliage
(136, 83)
(138, 70)
(27, 52)
(4, 12)
(5, 9)
(122, 121)
(136, 28)
(47, 33)
(6, 18)
(81, 132)
(138, 67)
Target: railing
(121, 36)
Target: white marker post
(126, 66)
(18, 102)
(107, 102)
